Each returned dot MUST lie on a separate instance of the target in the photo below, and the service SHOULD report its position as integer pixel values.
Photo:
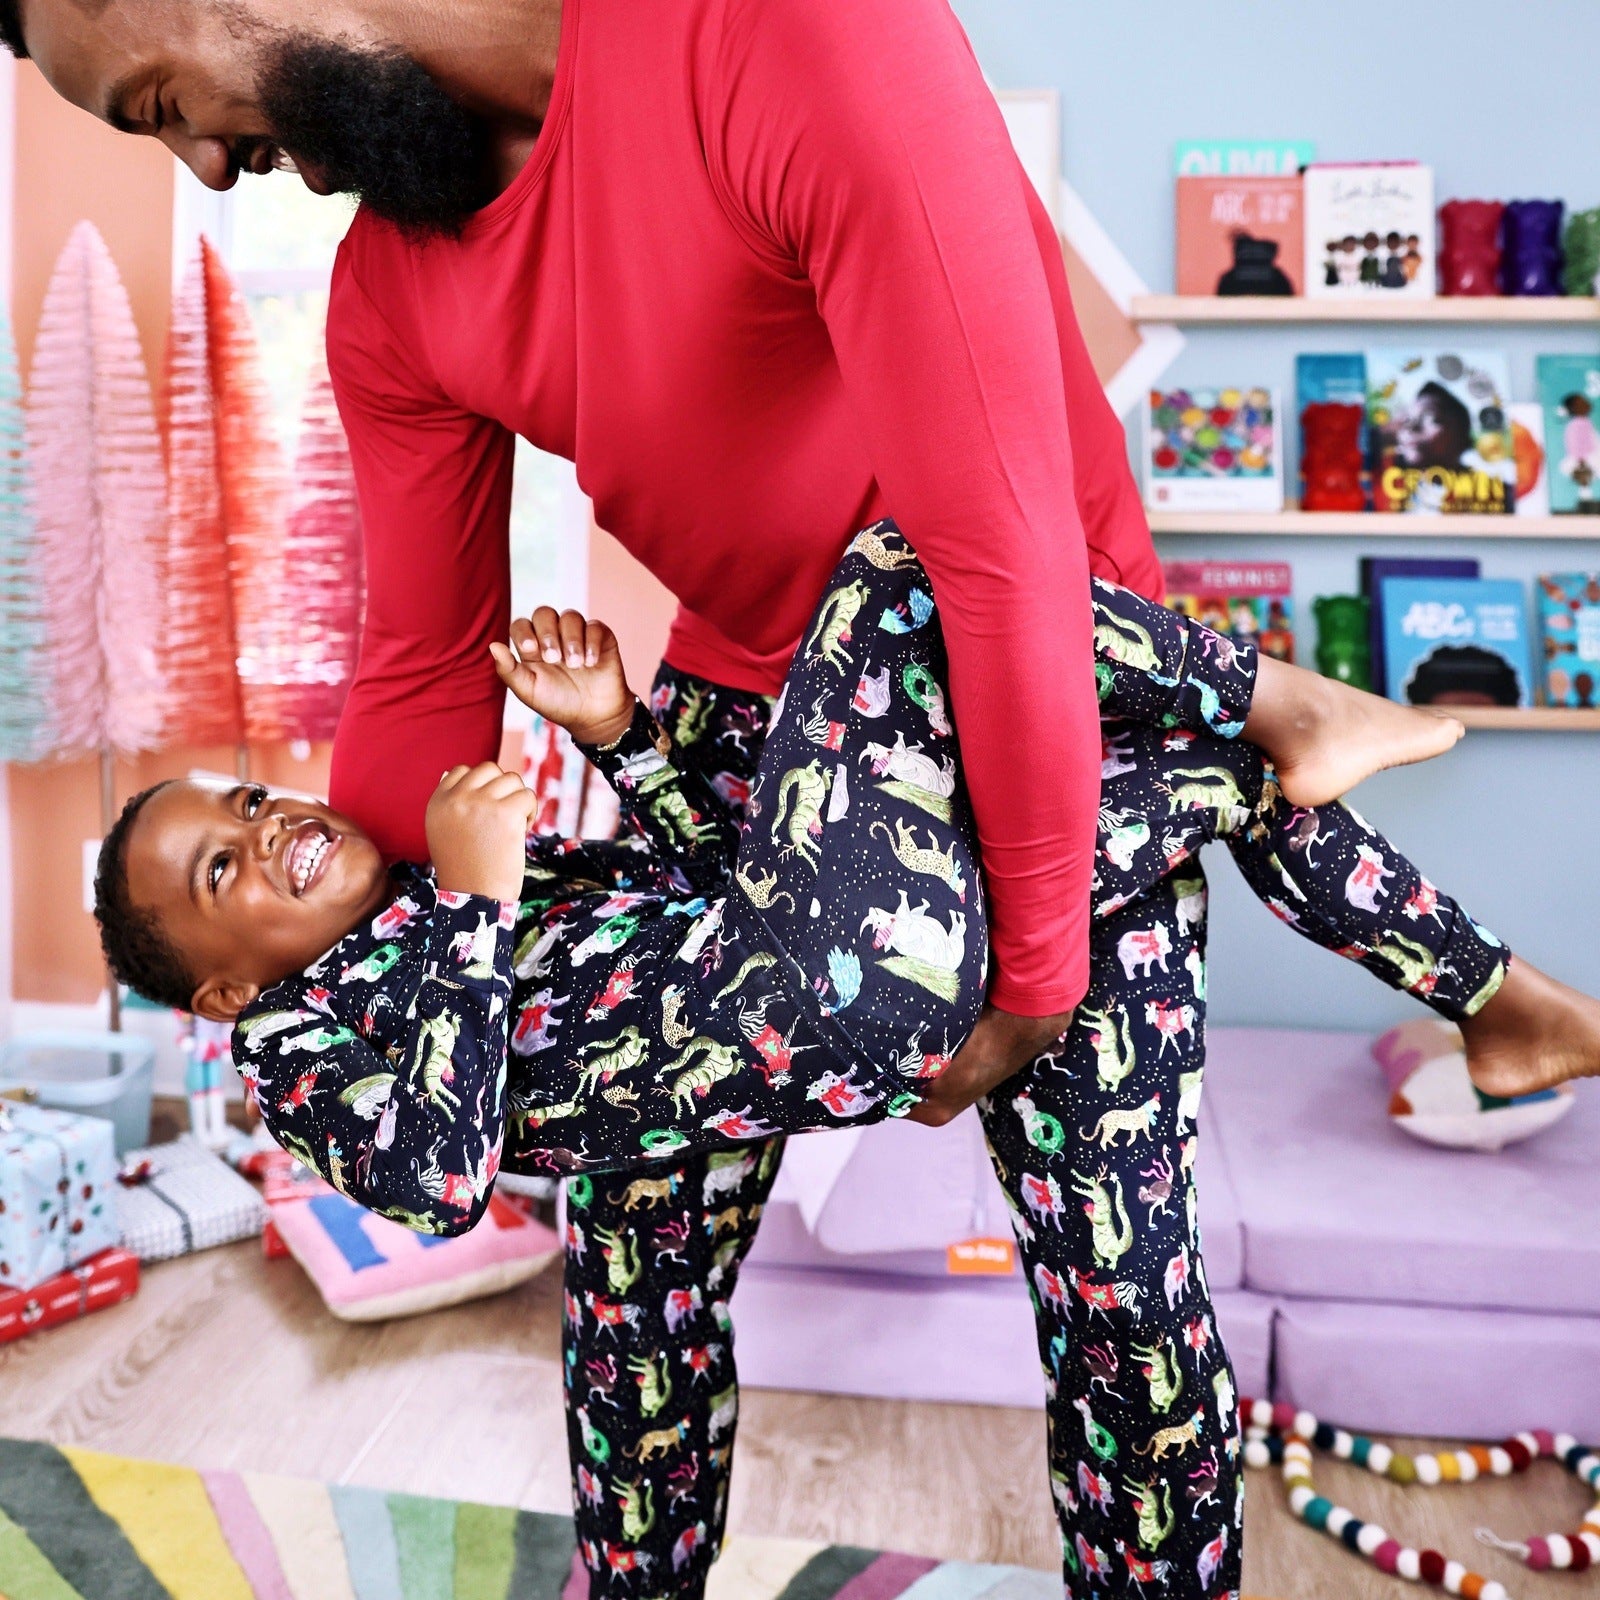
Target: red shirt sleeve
(859, 147)
(1115, 526)
(434, 484)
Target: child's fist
(569, 670)
(477, 825)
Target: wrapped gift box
(57, 1178)
(184, 1198)
(103, 1280)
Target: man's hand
(477, 824)
(569, 670)
(1000, 1045)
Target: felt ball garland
(1283, 1436)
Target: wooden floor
(226, 1360)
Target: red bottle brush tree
(99, 508)
(323, 569)
(232, 621)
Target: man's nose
(207, 158)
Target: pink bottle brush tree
(99, 509)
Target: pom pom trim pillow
(1433, 1099)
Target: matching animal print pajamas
(641, 1004)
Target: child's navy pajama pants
(1094, 1142)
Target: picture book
(1242, 158)
(1569, 391)
(1331, 403)
(1439, 431)
(1249, 600)
(1374, 569)
(1213, 450)
(1456, 642)
(1369, 230)
(1240, 236)
(1569, 618)
(1527, 448)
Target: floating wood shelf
(1581, 310)
(1296, 524)
(1527, 719)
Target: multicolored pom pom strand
(1281, 1436)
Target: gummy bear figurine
(1344, 646)
(1531, 257)
(1330, 458)
(1469, 247)
(1582, 275)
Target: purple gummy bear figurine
(1531, 258)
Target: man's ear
(222, 999)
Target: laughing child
(561, 1005)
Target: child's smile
(249, 886)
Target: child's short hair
(137, 950)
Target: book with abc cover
(1457, 642)
(1240, 236)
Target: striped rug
(76, 1525)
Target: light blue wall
(1498, 99)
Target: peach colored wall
(68, 167)
(634, 602)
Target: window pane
(278, 223)
(289, 328)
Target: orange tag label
(991, 1257)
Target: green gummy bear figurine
(1344, 648)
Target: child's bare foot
(1534, 1034)
(1324, 737)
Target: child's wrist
(608, 731)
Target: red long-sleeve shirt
(771, 272)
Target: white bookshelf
(1198, 310)
(1527, 719)
(1293, 523)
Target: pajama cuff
(470, 939)
(640, 753)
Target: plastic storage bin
(95, 1074)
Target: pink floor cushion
(368, 1268)
(1457, 1374)
(1339, 1204)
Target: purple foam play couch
(1379, 1282)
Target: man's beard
(375, 125)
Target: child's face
(250, 887)
(1423, 438)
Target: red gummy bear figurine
(1330, 458)
(1469, 247)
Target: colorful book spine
(1569, 618)
(1569, 391)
